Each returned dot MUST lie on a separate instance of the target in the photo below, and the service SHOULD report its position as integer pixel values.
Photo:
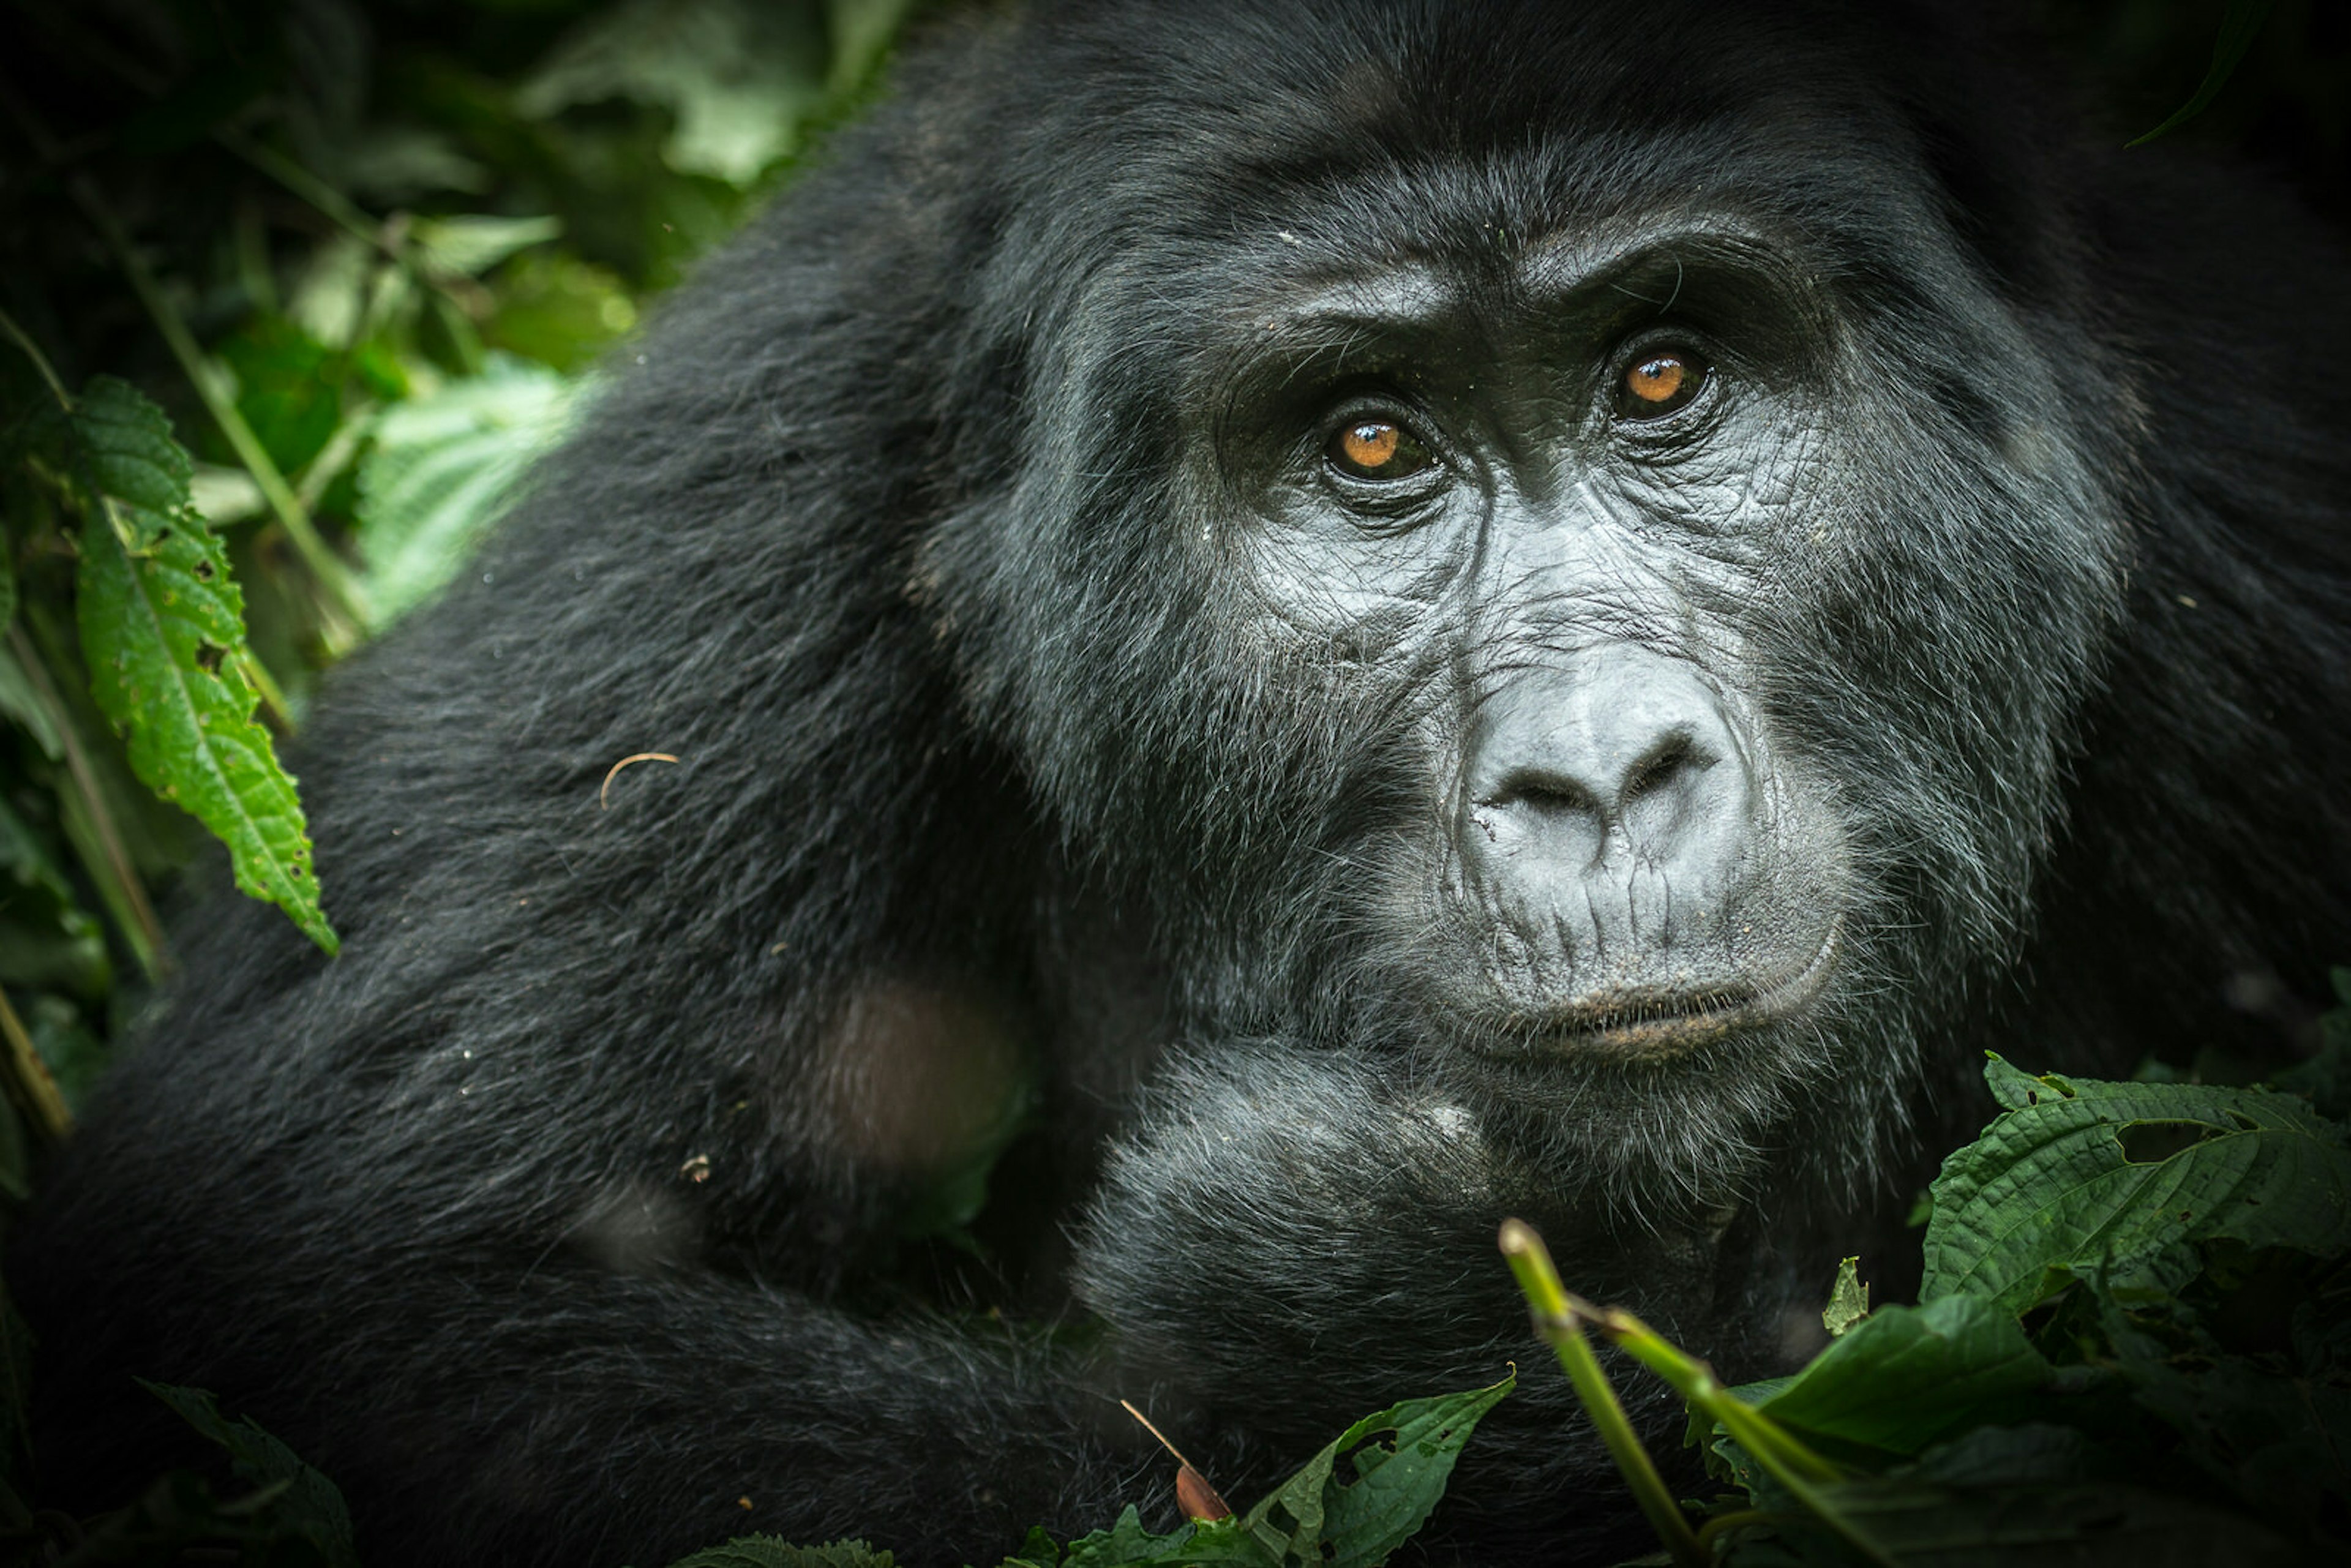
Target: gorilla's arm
(1277, 1237)
(509, 1349)
(539, 1375)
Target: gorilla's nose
(1605, 793)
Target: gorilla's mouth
(1656, 1021)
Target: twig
(603, 799)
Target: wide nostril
(1543, 792)
(1673, 760)
(1666, 763)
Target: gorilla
(1286, 629)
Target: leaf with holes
(163, 631)
(127, 454)
(1401, 1458)
(2081, 1172)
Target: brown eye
(1659, 382)
(1376, 449)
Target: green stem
(1722, 1524)
(343, 595)
(24, 339)
(1695, 1381)
(264, 685)
(1548, 1300)
(1794, 1465)
(30, 1077)
(145, 932)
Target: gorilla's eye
(1658, 381)
(1376, 449)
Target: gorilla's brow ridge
(1566, 266)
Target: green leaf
(329, 301)
(1128, 1544)
(1849, 1299)
(128, 454)
(2239, 27)
(2013, 1089)
(225, 495)
(162, 632)
(557, 309)
(310, 1506)
(2274, 1441)
(2092, 1174)
(1125, 1542)
(2031, 1453)
(289, 388)
(1402, 1459)
(442, 469)
(74, 1055)
(1039, 1551)
(470, 244)
(394, 164)
(772, 1552)
(1905, 1377)
(2325, 1079)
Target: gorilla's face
(1525, 512)
(1604, 616)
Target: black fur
(1027, 745)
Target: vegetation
(2129, 1348)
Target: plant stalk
(351, 615)
(145, 932)
(1554, 1320)
(1790, 1462)
(29, 1076)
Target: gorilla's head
(1581, 577)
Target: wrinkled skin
(1388, 615)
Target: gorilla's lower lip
(1662, 1022)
